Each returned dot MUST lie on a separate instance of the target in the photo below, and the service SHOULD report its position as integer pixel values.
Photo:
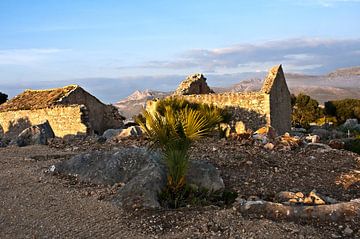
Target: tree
(305, 110)
(343, 109)
(3, 98)
(173, 131)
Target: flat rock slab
(142, 171)
(344, 211)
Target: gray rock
(142, 191)
(110, 133)
(134, 131)
(350, 123)
(204, 175)
(319, 146)
(142, 171)
(322, 133)
(36, 134)
(107, 167)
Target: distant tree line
(306, 110)
(343, 109)
(3, 98)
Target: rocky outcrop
(143, 173)
(193, 84)
(36, 134)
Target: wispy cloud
(314, 55)
(26, 56)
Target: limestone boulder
(142, 171)
(36, 134)
(204, 175)
(193, 84)
(110, 133)
(132, 131)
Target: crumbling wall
(252, 108)
(63, 120)
(269, 106)
(193, 84)
(101, 116)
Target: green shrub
(196, 197)
(305, 110)
(3, 98)
(173, 129)
(353, 145)
(343, 109)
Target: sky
(113, 47)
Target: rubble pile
(299, 198)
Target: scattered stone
(285, 196)
(267, 131)
(313, 138)
(132, 131)
(322, 133)
(269, 146)
(240, 128)
(316, 199)
(224, 130)
(36, 134)
(318, 146)
(111, 133)
(348, 231)
(336, 144)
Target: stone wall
(64, 120)
(252, 108)
(269, 106)
(101, 116)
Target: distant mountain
(340, 84)
(134, 103)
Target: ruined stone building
(269, 106)
(69, 110)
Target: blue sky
(113, 47)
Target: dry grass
(36, 99)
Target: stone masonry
(270, 106)
(193, 84)
(69, 110)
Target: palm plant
(173, 131)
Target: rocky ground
(35, 204)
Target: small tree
(3, 98)
(343, 109)
(305, 110)
(173, 131)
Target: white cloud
(26, 56)
(309, 54)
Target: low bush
(189, 196)
(353, 145)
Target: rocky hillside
(134, 103)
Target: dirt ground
(35, 204)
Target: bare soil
(35, 204)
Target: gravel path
(36, 205)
